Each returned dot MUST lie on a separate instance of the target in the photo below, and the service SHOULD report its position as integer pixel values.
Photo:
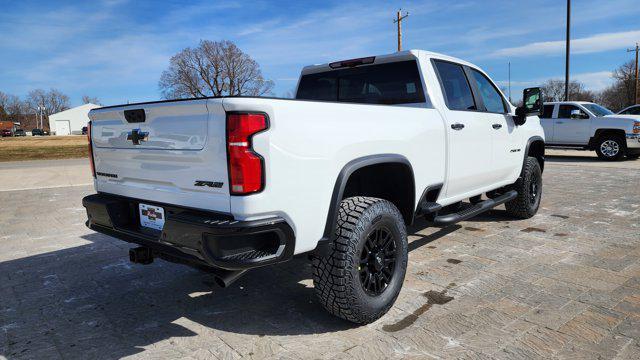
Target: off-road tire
(611, 138)
(336, 276)
(526, 204)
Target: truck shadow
(89, 302)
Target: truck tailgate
(166, 152)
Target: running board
(476, 209)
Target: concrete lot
(564, 284)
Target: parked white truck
(368, 145)
(591, 127)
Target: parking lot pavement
(563, 284)
(36, 174)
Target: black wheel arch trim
(599, 133)
(526, 151)
(341, 182)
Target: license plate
(151, 216)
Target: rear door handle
(496, 126)
(457, 126)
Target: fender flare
(526, 151)
(340, 184)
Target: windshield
(598, 110)
(390, 83)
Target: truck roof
(567, 102)
(385, 58)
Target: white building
(70, 122)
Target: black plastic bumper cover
(193, 236)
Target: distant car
(19, 132)
(84, 130)
(37, 132)
(631, 110)
(6, 132)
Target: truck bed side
(309, 142)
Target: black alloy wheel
(377, 261)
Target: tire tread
(331, 276)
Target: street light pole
(566, 65)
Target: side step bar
(474, 210)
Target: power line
(398, 20)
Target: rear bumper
(193, 236)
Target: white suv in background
(591, 127)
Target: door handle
(559, 122)
(496, 126)
(457, 126)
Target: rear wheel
(529, 188)
(361, 277)
(610, 147)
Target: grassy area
(43, 148)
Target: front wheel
(610, 147)
(361, 277)
(529, 188)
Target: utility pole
(566, 64)
(398, 20)
(635, 89)
(509, 81)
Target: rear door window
(390, 83)
(455, 86)
(547, 111)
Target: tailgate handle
(134, 116)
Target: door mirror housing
(531, 105)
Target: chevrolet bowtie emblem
(136, 136)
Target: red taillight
(246, 168)
(93, 167)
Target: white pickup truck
(231, 183)
(591, 127)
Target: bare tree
(57, 101)
(15, 107)
(51, 101)
(4, 101)
(86, 99)
(553, 90)
(214, 68)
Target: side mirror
(532, 105)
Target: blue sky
(117, 49)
